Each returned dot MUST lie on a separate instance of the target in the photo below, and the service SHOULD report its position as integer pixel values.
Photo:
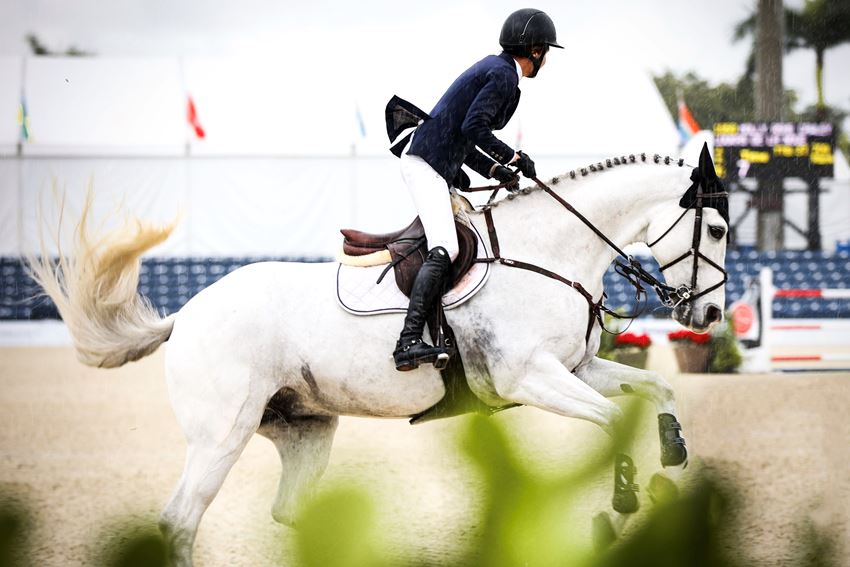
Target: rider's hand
(505, 175)
(525, 165)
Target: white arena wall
(284, 163)
(228, 206)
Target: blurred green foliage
(338, 528)
(131, 544)
(525, 519)
(689, 531)
(15, 528)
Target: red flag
(192, 117)
(688, 126)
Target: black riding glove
(505, 175)
(525, 165)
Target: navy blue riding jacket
(482, 99)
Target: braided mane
(609, 163)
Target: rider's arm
(478, 124)
(480, 163)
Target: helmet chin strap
(536, 62)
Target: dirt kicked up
(84, 448)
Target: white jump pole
(767, 293)
(759, 357)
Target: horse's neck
(535, 228)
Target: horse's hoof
(625, 502)
(662, 490)
(604, 533)
(673, 454)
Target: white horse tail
(95, 290)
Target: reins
(631, 269)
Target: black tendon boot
(673, 451)
(411, 350)
(625, 489)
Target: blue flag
(360, 124)
(23, 120)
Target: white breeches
(431, 197)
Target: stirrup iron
(442, 361)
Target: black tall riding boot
(411, 350)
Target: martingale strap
(595, 308)
(491, 232)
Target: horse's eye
(716, 232)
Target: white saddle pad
(358, 293)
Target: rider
(482, 99)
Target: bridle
(685, 293)
(631, 269)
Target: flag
(360, 124)
(23, 120)
(192, 117)
(688, 125)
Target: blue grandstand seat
(170, 282)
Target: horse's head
(689, 243)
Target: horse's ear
(706, 165)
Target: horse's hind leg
(206, 467)
(217, 429)
(304, 445)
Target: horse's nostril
(713, 314)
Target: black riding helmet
(525, 29)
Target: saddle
(408, 247)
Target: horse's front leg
(548, 385)
(614, 379)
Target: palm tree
(820, 25)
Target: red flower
(690, 336)
(626, 340)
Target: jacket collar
(509, 59)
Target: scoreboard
(773, 149)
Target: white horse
(267, 349)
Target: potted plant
(631, 349)
(715, 352)
(693, 350)
(725, 354)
